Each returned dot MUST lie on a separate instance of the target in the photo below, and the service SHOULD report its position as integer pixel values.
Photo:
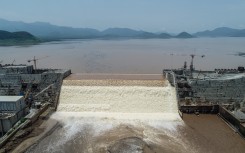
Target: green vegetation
(17, 38)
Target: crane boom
(192, 59)
(35, 61)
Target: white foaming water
(89, 114)
(92, 126)
(120, 104)
(114, 99)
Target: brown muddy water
(136, 56)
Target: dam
(115, 115)
(112, 96)
(128, 113)
(117, 99)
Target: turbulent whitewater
(104, 116)
(122, 99)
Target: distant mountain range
(47, 31)
(221, 32)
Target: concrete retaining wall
(224, 113)
(35, 116)
(67, 73)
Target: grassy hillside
(17, 38)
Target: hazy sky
(150, 15)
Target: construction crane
(13, 62)
(35, 61)
(192, 61)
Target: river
(137, 56)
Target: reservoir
(129, 56)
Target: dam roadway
(129, 113)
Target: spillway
(116, 116)
(118, 99)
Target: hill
(222, 32)
(165, 35)
(147, 35)
(240, 33)
(17, 38)
(122, 32)
(47, 31)
(184, 35)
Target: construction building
(12, 109)
(22, 87)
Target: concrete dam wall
(118, 99)
(100, 116)
(136, 116)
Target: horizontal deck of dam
(103, 76)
